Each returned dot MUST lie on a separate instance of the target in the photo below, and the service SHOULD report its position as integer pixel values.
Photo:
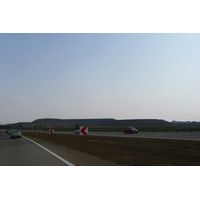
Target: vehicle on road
(15, 133)
(130, 130)
(77, 131)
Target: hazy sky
(121, 76)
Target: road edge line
(57, 156)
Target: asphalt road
(159, 135)
(22, 152)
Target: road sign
(84, 130)
(51, 131)
(39, 130)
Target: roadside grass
(130, 151)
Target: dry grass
(131, 151)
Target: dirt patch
(130, 151)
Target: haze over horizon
(120, 76)
(94, 119)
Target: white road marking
(57, 156)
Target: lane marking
(57, 156)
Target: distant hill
(102, 122)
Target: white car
(15, 133)
(77, 131)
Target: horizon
(95, 119)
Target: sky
(105, 75)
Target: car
(130, 130)
(77, 131)
(15, 133)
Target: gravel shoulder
(75, 157)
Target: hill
(96, 123)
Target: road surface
(37, 152)
(23, 152)
(158, 135)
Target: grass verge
(130, 151)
